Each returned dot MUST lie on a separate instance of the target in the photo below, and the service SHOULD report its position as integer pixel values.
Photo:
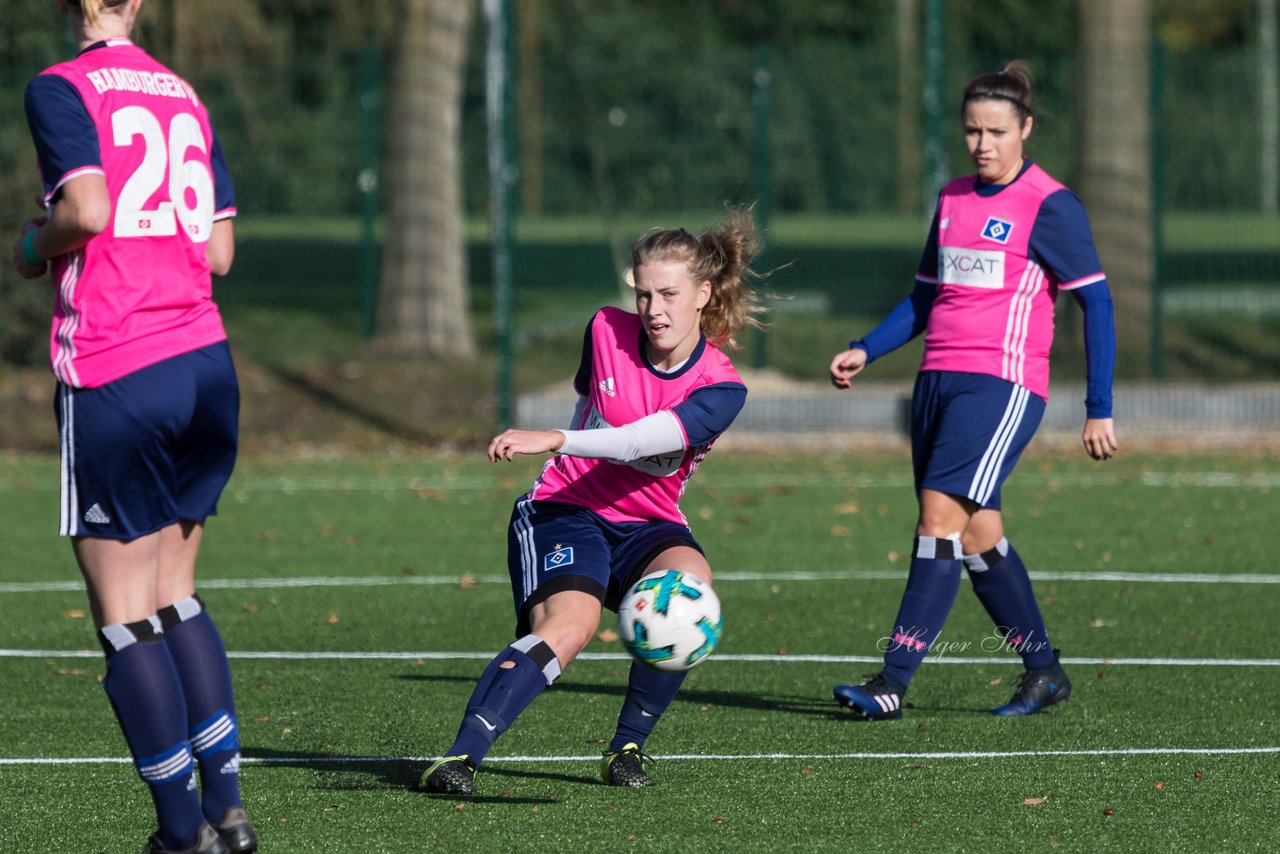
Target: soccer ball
(670, 620)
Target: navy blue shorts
(552, 546)
(967, 432)
(149, 449)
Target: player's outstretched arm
(508, 443)
(1100, 438)
(846, 365)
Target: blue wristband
(29, 249)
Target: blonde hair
(91, 9)
(722, 256)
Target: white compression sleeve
(659, 433)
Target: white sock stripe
(187, 607)
(119, 636)
(550, 671)
(213, 733)
(168, 769)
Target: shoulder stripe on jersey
(74, 173)
(988, 473)
(928, 280)
(1080, 283)
(226, 213)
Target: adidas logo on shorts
(95, 516)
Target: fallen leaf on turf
(75, 671)
(607, 635)
(74, 613)
(1053, 843)
(917, 765)
(251, 607)
(1108, 811)
(848, 508)
(717, 821)
(841, 531)
(459, 807)
(332, 618)
(1034, 802)
(1101, 624)
(332, 808)
(808, 772)
(534, 808)
(782, 650)
(997, 681)
(262, 719)
(1199, 775)
(595, 741)
(1159, 785)
(466, 582)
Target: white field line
(851, 575)
(471, 483)
(703, 757)
(755, 658)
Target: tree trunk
(424, 294)
(1113, 61)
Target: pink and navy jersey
(620, 386)
(139, 292)
(993, 309)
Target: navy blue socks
(649, 692)
(932, 584)
(201, 662)
(506, 688)
(146, 694)
(1001, 582)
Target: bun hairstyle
(721, 256)
(91, 9)
(1011, 83)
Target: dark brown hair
(1011, 83)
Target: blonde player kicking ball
(655, 392)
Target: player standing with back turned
(139, 205)
(1002, 244)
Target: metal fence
(827, 126)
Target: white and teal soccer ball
(670, 620)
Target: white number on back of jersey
(132, 218)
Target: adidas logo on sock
(232, 765)
(96, 516)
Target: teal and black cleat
(452, 775)
(873, 700)
(1036, 690)
(625, 767)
